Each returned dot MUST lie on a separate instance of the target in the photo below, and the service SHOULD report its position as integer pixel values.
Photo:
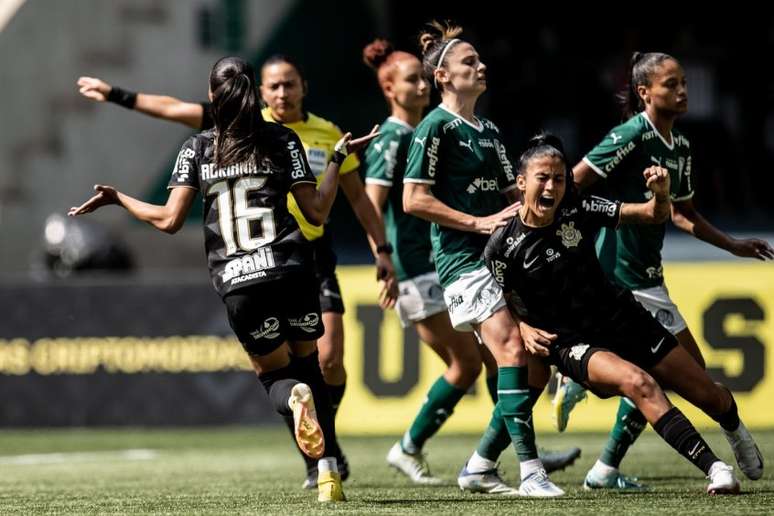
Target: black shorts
(265, 315)
(632, 334)
(325, 271)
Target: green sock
(514, 408)
(496, 437)
(629, 424)
(439, 405)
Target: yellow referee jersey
(318, 137)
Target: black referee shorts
(632, 334)
(325, 271)
(265, 315)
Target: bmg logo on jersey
(182, 166)
(296, 160)
(268, 330)
(596, 205)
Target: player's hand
(94, 89)
(657, 180)
(488, 225)
(388, 283)
(753, 248)
(536, 340)
(346, 145)
(105, 195)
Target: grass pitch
(254, 470)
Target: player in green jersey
(421, 301)
(631, 255)
(460, 178)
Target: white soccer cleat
(538, 485)
(487, 482)
(747, 454)
(413, 466)
(722, 479)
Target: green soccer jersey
(468, 169)
(385, 163)
(631, 254)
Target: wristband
(122, 97)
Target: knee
(639, 385)
(510, 349)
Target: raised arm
(316, 203)
(656, 210)
(168, 218)
(159, 106)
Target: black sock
(680, 434)
(308, 368)
(278, 384)
(729, 421)
(336, 393)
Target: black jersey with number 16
(249, 236)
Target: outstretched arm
(168, 218)
(419, 201)
(159, 106)
(687, 218)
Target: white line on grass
(61, 458)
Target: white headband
(443, 54)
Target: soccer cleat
(311, 474)
(538, 485)
(722, 479)
(488, 482)
(329, 488)
(413, 466)
(747, 454)
(309, 435)
(568, 394)
(558, 460)
(614, 480)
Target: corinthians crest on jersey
(570, 236)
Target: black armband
(385, 248)
(122, 97)
(338, 158)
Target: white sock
(407, 445)
(327, 464)
(478, 464)
(529, 467)
(603, 469)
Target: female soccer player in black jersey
(283, 89)
(244, 168)
(598, 334)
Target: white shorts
(657, 301)
(420, 297)
(473, 298)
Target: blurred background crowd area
(558, 71)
